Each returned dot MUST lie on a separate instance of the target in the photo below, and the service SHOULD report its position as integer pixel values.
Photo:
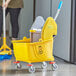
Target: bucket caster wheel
(31, 69)
(19, 66)
(44, 65)
(54, 66)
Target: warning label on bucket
(40, 50)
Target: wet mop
(5, 51)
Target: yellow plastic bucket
(34, 52)
(37, 51)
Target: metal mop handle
(4, 46)
(4, 22)
(58, 11)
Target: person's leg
(14, 14)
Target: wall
(43, 8)
(62, 41)
(26, 18)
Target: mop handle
(58, 11)
(4, 23)
(60, 4)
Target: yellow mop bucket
(34, 52)
(37, 51)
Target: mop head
(5, 50)
(5, 57)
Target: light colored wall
(62, 41)
(26, 18)
(43, 8)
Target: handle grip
(60, 4)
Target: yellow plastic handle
(32, 30)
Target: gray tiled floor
(7, 68)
